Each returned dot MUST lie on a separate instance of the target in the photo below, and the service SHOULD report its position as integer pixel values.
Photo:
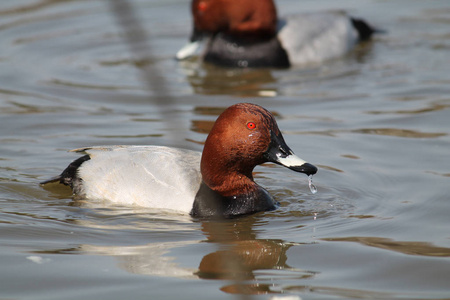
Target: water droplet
(312, 187)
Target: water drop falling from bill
(312, 187)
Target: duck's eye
(202, 6)
(251, 125)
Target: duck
(217, 183)
(249, 34)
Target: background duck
(248, 33)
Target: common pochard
(215, 183)
(248, 33)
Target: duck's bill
(188, 50)
(297, 164)
(280, 153)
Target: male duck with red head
(248, 33)
(217, 183)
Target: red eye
(251, 125)
(202, 6)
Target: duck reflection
(249, 265)
(211, 80)
(239, 253)
(232, 251)
(245, 263)
(240, 256)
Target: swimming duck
(248, 33)
(215, 183)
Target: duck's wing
(149, 176)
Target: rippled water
(376, 123)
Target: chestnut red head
(234, 17)
(243, 136)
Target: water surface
(375, 122)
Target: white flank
(316, 37)
(146, 176)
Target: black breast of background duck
(242, 52)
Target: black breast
(210, 204)
(224, 50)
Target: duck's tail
(69, 174)
(365, 30)
(56, 179)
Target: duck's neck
(231, 183)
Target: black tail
(365, 31)
(68, 176)
(51, 180)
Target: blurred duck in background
(248, 33)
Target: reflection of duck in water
(241, 255)
(236, 257)
(239, 260)
(211, 80)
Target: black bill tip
(306, 168)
